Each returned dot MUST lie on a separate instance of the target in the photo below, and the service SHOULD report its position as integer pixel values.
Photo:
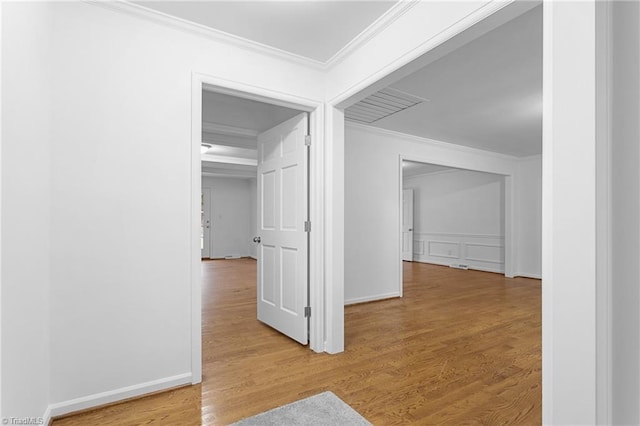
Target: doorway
(229, 156)
(457, 217)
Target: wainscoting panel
(481, 252)
(444, 249)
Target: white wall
(25, 209)
(625, 212)
(231, 216)
(528, 217)
(372, 214)
(110, 184)
(459, 218)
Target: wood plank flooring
(461, 347)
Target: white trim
(318, 330)
(374, 298)
(460, 234)
(470, 267)
(427, 45)
(204, 31)
(461, 243)
(317, 284)
(103, 398)
(223, 175)
(208, 158)
(509, 210)
(256, 93)
(209, 127)
(379, 25)
(547, 214)
(569, 214)
(46, 417)
(528, 275)
(375, 28)
(400, 271)
(467, 257)
(196, 251)
(510, 254)
(439, 172)
(450, 256)
(433, 142)
(334, 228)
(227, 175)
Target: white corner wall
(458, 218)
(372, 191)
(25, 227)
(625, 212)
(96, 190)
(528, 217)
(231, 216)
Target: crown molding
(208, 158)
(226, 175)
(229, 173)
(202, 30)
(229, 141)
(379, 25)
(427, 141)
(222, 129)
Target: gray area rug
(322, 409)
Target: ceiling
(243, 113)
(313, 29)
(487, 94)
(231, 126)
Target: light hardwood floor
(461, 347)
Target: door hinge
(307, 311)
(307, 226)
(307, 140)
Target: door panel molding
(283, 200)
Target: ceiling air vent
(380, 105)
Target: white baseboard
(471, 267)
(46, 417)
(229, 257)
(527, 275)
(253, 257)
(373, 298)
(103, 398)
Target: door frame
(509, 211)
(402, 223)
(199, 83)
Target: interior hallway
(460, 347)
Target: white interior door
(205, 223)
(282, 238)
(407, 224)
